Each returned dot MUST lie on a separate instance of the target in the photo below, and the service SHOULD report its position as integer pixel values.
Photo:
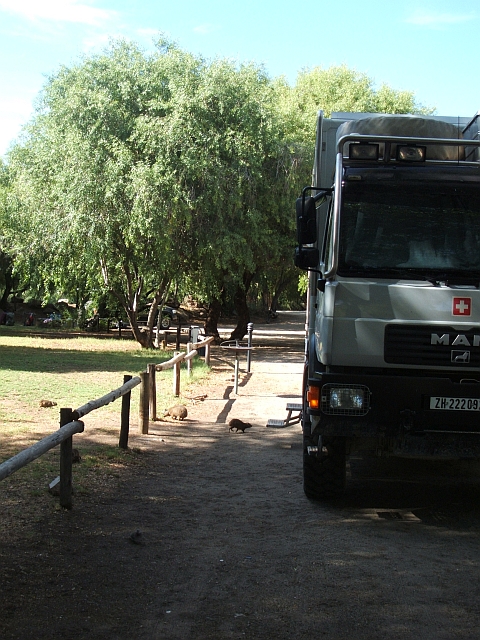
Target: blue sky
(425, 46)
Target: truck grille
(432, 346)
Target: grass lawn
(70, 372)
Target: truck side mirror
(306, 220)
(306, 257)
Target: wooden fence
(70, 422)
(148, 389)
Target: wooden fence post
(152, 392)
(143, 408)
(176, 376)
(207, 354)
(125, 419)
(66, 416)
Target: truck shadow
(434, 493)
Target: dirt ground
(229, 547)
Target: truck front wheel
(325, 476)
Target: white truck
(390, 236)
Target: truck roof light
(411, 153)
(360, 151)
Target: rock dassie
(178, 412)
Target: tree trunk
(275, 297)
(9, 284)
(129, 301)
(241, 307)
(4, 298)
(286, 277)
(144, 338)
(213, 315)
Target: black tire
(166, 322)
(326, 477)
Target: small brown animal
(178, 412)
(239, 425)
(76, 457)
(47, 403)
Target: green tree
(7, 280)
(138, 171)
(340, 88)
(234, 168)
(97, 177)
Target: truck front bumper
(407, 415)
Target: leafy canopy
(140, 170)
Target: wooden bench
(294, 415)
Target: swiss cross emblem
(462, 307)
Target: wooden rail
(106, 399)
(39, 448)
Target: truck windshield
(406, 229)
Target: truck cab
(389, 232)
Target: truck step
(279, 424)
(292, 407)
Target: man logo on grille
(461, 340)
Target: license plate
(455, 404)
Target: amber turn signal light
(313, 397)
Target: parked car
(169, 314)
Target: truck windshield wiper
(471, 278)
(460, 277)
(355, 269)
(415, 275)
(452, 278)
